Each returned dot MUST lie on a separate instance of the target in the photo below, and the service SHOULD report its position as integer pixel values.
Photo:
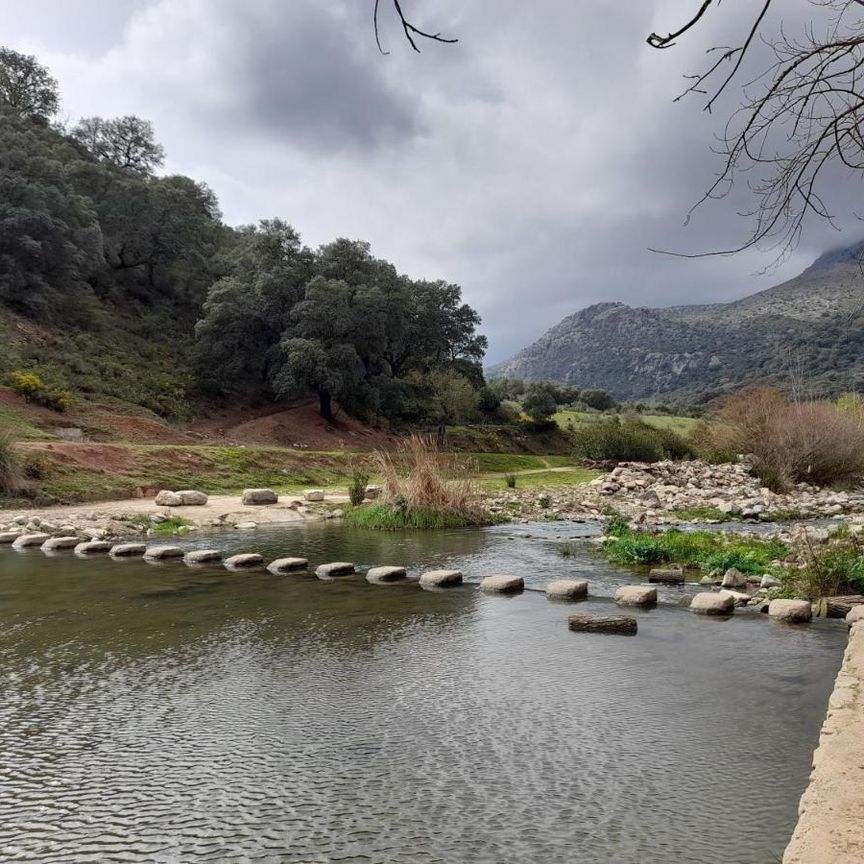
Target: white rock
(259, 496)
(9, 536)
(202, 556)
(337, 568)
(54, 543)
(733, 578)
(386, 575)
(794, 611)
(243, 561)
(770, 582)
(287, 565)
(245, 526)
(192, 498)
(128, 550)
(314, 494)
(162, 553)
(739, 598)
(711, 603)
(440, 578)
(94, 547)
(25, 540)
(167, 498)
(636, 595)
(855, 614)
(567, 589)
(502, 584)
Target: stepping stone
(502, 584)
(167, 498)
(667, 577)
(202, 556)
(712, 603)
(25, 540)
(636, 595)
(386, 575)
(259, 496)
(739, 597)
(441, 578)
(94, 547)
(162, 553)
(244, 561)
(9, 536)
(55, 543)
(128, 550)
(622, 625)
(314, 494)
(337, 568)
(192, 498)
(287, 565)
(567, 589)
(793, 611)
(855, 614)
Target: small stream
(164, 714)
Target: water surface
(162, 714)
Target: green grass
(680, 425)
(19, 427)
(706, 550)
(506, 463)
(383, 517)
(701, 514)
(542, 479)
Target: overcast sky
(533, 163)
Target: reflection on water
(162, 714)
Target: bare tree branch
(411, 32)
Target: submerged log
(667, 577)
(620, 624)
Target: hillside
(806, 332)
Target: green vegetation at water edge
(541, 479)
(701, 514)
(679, 425)
(385, 517)
(707, 550)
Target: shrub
(34, 389)
(816, 442)
(11, 474)
(834, 569)
(510, 480)
(357, 486)
(36, 466)
(628, 440)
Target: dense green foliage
(628, 440)
(389, 517)
(836, 568)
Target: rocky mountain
(805, 333)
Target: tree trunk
(325, 401)
(441, 435)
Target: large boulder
(793, 611)
(739, 598)
(167, 498)
(636, 595)
(25, 540)
(9, 536)
(712, 603)
(567, 589)
(386, 575)
(622, 625)
(287, 565)
(259, 496)
(440, 578)
(314, 494)
(733, 578)
(502, 584)
(769, 581)
(244, 561)
(192, 498)
(54, 543)
(855, 614)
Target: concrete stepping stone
(386, 575)
(712, 603)
(502, 584)
(259, 496)
(23, 541)
(670, 576)
(337, 568)
(244, 561)
(567, 589)
(636, 595)
(622, 625)
(192, 498)
(202, 556)
(94, 547)
(162, 553)
(287, 565)
(441, 578)
(793, 611)
(9, 536)
(314, 494)
(52, 544)
(128, 550)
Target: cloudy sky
(533, 162)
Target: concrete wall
(830, 826)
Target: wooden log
(837, 607)
(667, 577)
(621, 624)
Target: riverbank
(830, 829)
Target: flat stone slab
(622, 625)
(202, 556)
(244, 560)
(441, 578)
(9, 536)
(25, 540)
(162, 553)
(636, 595)
(259, 496)
(386, 575)
(128, 550)
(567, 589)
(54, 543)
(337, 568)
(94, 547)
(314, 494)
(712, 603)
(502, 584)
(793, 611)
(287, 565)
(671, 576)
